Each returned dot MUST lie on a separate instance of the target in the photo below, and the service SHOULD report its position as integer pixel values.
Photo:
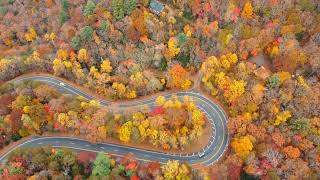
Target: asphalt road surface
(209, 154)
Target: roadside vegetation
(32, 108)
(51, 163)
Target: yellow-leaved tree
(172, 49)
(83, 55)
(242, 146)
(58, 67)
(174, 170)
(125, 131)
(62, 54)
(282, 117)
(171, 169)
(214, 76)
(119, 89)
(131, 94)
(77, 71)
(228, 60)
(94, 72)
(235, 90)
(106, 66)
(31, 35)
(63, 119)
(160, 100)
(198, 121)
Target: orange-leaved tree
(291, 152)
(178, 78)
(247, 10)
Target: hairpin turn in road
(209, 154)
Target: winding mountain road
(209, 154)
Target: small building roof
(156, 6)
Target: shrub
(3, 10)
(129, 6)
(89, 8)
(306, 5)
(183, 59)
(246, 32)
(104, 26)
(225, 36)
(267, 12)
(123, 7)
(182, 39)
(274, 81)
(299, 36)
(117, 9)
(65, 5)
(11, 1)
(86, 33)
(187, 15)
(63, 17)
(301, 124)
(75, 42)
(163, 64)
(16, 137)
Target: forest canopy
(259, 59)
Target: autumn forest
(257, 60)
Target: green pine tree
(129, 6)
(89, 8)
(117, 9)
(65, 5)
(102, 165)
(86, 33)
(76, 42)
